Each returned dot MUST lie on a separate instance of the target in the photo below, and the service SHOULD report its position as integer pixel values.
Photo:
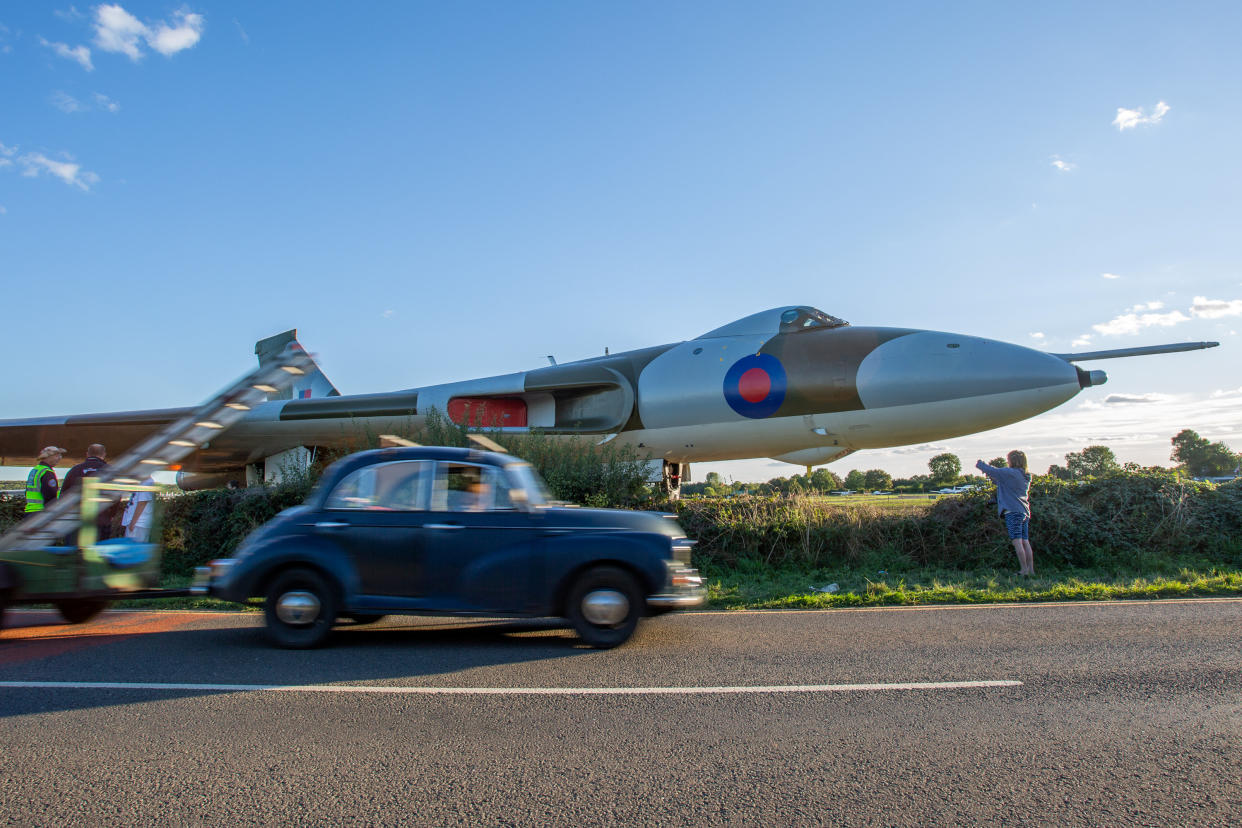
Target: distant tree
(1202, 458)
(779, 485)
(1093, 461)
(1059, 472)
(855, 480)
(823, 480)
(877, 480)
(999, 462)
(915, 483)
(945, 468)
(713, 479)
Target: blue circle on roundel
(755, 386)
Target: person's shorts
(1019, 526)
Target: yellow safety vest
(34, 488)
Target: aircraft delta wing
(791, 383)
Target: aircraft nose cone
(929, 366)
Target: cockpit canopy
(789, 319)
(802, 318)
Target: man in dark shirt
(96, 459)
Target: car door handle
(330, 524)
(443, 526)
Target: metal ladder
(165, 448)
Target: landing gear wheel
(604, 606)
(364, 617)
(300, 608)
(78, 610)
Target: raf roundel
(755, 386)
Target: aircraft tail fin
(312, 384)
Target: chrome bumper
(679, 601)
(204, 575)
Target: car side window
(466, 487)
(392, 487)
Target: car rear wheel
(299, 609)
(604, 606)
(79, 610)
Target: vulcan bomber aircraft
(791, 383)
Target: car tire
(365, 617)
(299, 609)
(604, 606)
(80, 610)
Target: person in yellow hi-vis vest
(42, 487)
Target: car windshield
(805, 318)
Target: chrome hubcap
(297, 607)
(605, 607)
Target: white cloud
(71, 14)
(168, 40)
(1037, 335)
(1081, 342)
(1131, 118)
(1129, 323)
(241, 31)
(6, 153)
(116, 30)
(69, 104)
(1132, 399)
(1230, 392)
(1109, 276)
(66, 103)
(899, 450)
(1148, 306)
(388, 314)
(3, 211)
(1215, 308)
(1063, 166)
(79, 53)
(36, 163)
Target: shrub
(1143, 520)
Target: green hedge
(1137, 521)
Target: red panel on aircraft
(488, 412)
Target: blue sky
(432, 192)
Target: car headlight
(682, 548)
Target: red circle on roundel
(754, 385)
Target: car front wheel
(299, 609)
(604, 606)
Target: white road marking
(505, 691)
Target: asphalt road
(1102, 714)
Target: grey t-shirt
(1013, 488)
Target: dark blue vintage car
(447, 530)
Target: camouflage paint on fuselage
(822, 366)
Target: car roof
(371, 457)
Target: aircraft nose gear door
(674, 475)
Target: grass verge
(755, 586)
